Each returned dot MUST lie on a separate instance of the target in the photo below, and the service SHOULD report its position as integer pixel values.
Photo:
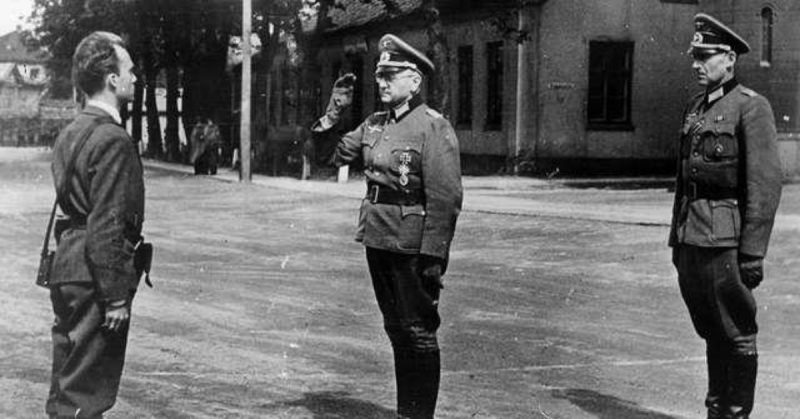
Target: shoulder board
(433, 113)
(748, 92)
(698, 95)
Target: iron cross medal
(405, 160)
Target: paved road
(263, 308)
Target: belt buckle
(374, 189)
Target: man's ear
(417, 79)
(112, 80)
(732, 56)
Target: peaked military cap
(710, 33)
(397, 53)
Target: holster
(45, 268)
(143, 260)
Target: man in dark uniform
(728, 188)
(205, 142)
(102, 199)
(411, 160)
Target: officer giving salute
(727, 192)
(407, 219)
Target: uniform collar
(719, 92)
(105, 107)
(400, 111)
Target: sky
(10, 12)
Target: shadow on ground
(607, 407)
(335, 405)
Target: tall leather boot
(742, 371)
(424, 381)
(418, 376)
(717, 363)
(403, 367)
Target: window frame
(608, 50)
(767, 35)
(465, 56)
(494, 85)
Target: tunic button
(694, 170)
(696, 153)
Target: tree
(61, 25)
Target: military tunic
(416, 155)
(727, 192)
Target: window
(494, 92)
(464, 114)
(766, 36)
(610, 76)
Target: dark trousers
(87, 359)
(410, 316)
(723, 312)
(206, 163)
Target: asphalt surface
(559, 302)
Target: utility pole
(522, 85)
(245, 173)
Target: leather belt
(378, 194)
(695, 191)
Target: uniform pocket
(412, 222)
(725, 219)
(720, 144)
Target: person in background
(205, 143)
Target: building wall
(661, 83)
(554, 124)
(477, 139)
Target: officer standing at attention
(407, 219)
(98, 179)
(727, 192)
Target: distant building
(23, 84)
(601, 87)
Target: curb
(474, 200)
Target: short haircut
(95, 57)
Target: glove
(341, 97)
(431, 270)
(751, 270)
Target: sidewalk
(648, 202)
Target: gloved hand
(751, 270)
(431, 271)
(341, 97)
